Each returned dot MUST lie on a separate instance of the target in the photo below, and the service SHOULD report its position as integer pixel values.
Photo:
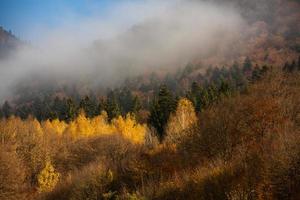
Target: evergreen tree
(136, 106)
(89, 106)
(23, 111)
(112, 106)
(192, 95)
(298, 63)
(237, 76)
(38, 109)
(64, 109)
(59, 109)
(203, 100)
(126, 100)
(161, 108)
(256, 73)
(224, 88)
(100, 107)
(71, 111)
(7, 110)
(212, 93)
(247, 66)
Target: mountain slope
(8, 43)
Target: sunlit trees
(130, 129)
(183, 118)
(47, 178)
(101, 124)
(54, 127)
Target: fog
(132, 38)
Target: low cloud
(132, 38)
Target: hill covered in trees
(215, 142)
(8, 43)
(223, 126)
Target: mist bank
(134, 38)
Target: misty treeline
(199, 132)
(163, 35)
(213, 142)
(137, 95)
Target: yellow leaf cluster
(129, 129)
(79, 128)
(181, 120)
(47, 178)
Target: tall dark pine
(237, 76)
(192, 95)
(298, 64)
(23, 111)
(89, 106)
(136, 105)
(71, 110)
(112, 106)
(128, 102)
(224, 88)
(247, 66)
(6, 110)
(57, 108)
(38, 110)
(161, 108)
(64, 109)
(256, 73)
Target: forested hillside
(236, 144)
(8, 43)
(201, 100)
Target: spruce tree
(136, 105)
(89, 106)
(224, 88)
(6, 110)
(247, 66)
(112, 106)
(160, 110)
(256, 73)
(71, 111)
(126, 100)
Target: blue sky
(23, 17)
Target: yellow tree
(101, 125)
(130, 129)
(47, 178)
(54, 127)
(9, 129)
(181, 120)
(84, 126)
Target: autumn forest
(215, 122)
